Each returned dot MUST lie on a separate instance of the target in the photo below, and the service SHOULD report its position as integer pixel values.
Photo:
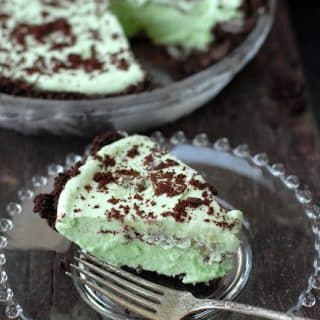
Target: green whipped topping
(66, 46)
(184, 23)
(134, 204)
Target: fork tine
(118, 300)
(117, 289)
(145, 293)
(129, 276)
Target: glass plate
(134, 112)
(282, 231)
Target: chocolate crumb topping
(225, 225)
(108, 232)
(98, 158)
(194, 202)
(113, 200)
(140, 213)
(42, 31)
(141, 187)
(168, 183)
(4, 16)
(148, 160)
(103, 179)
(213, 190)
(125, 208)
(88, 187)
(108, 161)
(133, 152)
(203, 185)
(122, 64)
(180, 210)
(138, 197)
(75, 61)
(114, 214)
(115, 36)
(166, 164)
(128, 172)
(151, 216)
(105, 139)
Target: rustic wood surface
(254, 109)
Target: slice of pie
(132, 203)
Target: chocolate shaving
(107, 232)
(76, 61)
(167, 183)
(107, 161)
(140, 213)
(148, 160)
(88, 187)
(115, 214)
(113, 200)
(166, 164)
(41, 31)
(138, 197)
(179, 212)
(103, 179)
(105, 139)
(225, 225)
(128, 172)
(125, 208)
(203, 185)
(133, 152)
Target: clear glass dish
(277, 267)
(134, 112)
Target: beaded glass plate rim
(307, 299)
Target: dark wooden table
(266, 106)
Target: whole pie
(76, 49)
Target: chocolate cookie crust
(23, 89)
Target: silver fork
(154, 301)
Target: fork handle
(202, 305)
